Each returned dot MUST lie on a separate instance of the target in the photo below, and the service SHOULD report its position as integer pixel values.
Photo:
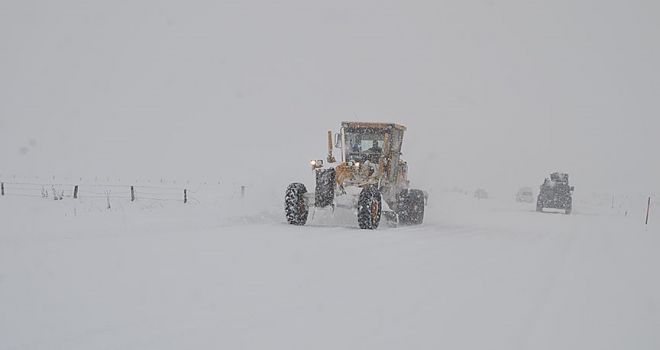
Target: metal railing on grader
(371, 179)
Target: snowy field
(495, 95)
(231, 274)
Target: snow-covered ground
(233, 99)
(231, 274)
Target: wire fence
(108, 192)
(170, 191)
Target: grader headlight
(316, 163)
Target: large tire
(294, 204)
(369, 208)
(402, 207)
(324, 193)
(416, 207)
(410, 207)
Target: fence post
(242, 192)
(648, 207)
(185, 196)
(75, 192)
(2, 188)
(132, 194)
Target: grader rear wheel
(410, 207)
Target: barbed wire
(22, 195)
(161, 199)
(93, 191)
(97, 190)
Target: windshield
(365, 145)
(362, 144)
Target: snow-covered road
(476, 275)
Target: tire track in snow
(543, 299)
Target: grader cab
(370, 178)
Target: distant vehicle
(481, 194)
(556, 193)
(525, 194)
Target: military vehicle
(370, 178)
(556, 193)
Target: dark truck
(556, 193)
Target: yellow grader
(371, 179)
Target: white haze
(495, 94)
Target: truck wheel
(369, 208)
(294, 204)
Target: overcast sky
(494, 93)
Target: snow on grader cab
(371, 179)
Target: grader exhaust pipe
(331, 158)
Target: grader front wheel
(295, 205)
(369, 208)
